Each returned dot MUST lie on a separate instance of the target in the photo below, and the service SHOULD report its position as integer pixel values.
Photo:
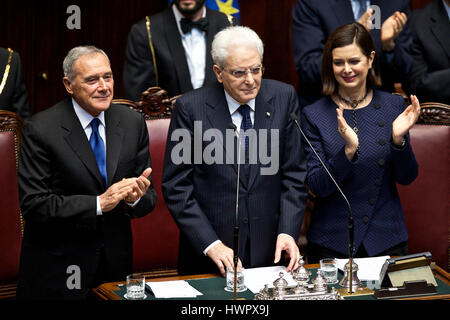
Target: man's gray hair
(234, 36)
(76, 53)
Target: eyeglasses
(240, 73)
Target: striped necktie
(246, 124)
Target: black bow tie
(187, 25)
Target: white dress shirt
(194, 44)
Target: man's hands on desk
(223, 256)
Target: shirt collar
(447, 8)
(85, 117)
(179, 16)
(233, 105)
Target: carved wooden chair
(11, 223)
(155, 236)
(426, 201)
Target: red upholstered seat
(11, 225)
(426, 201)
(155, 236)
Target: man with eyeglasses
(202, 197)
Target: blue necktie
(246, 124)
(98, 146)
(362, 8)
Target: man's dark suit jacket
(14, 95)
(315, 20)
(430, 72)
(58, 184)
(202, 197)
(173, 70)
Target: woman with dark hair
(361, 134)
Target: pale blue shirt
(356, 5)
(447, 8)
(194, 44)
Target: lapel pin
(268, 114)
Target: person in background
(430, 73)
(314, 21)
(13, 92)
(171, 49)
(361, 134)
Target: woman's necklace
(353, 104)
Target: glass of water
(240, 285)
(329, 270)
(135, 287)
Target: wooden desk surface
(106, 290)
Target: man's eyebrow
(96, 76)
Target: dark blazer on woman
(369, 183)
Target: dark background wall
(38, 31)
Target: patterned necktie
(246, 124)
(98, 146)
(362, 8)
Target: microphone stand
(351, 224)
(236, 225)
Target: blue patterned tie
(98, 146)
(246, 124)
(362, 8)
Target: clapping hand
(405, 121)
(365, 19)
(350, 136)
(139, 187)
(130, 190)
(391, 29)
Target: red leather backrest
(10, 223)
(426, 201)
(155, 236)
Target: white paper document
(256, 278)
(173, 289)
(368, 268)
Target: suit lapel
(114, 140)
(176, 48)
(264, 113)
(77, 140)
(440, 27)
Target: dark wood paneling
(272, 19)
(38, 31)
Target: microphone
(351, 224)
(236, 224)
